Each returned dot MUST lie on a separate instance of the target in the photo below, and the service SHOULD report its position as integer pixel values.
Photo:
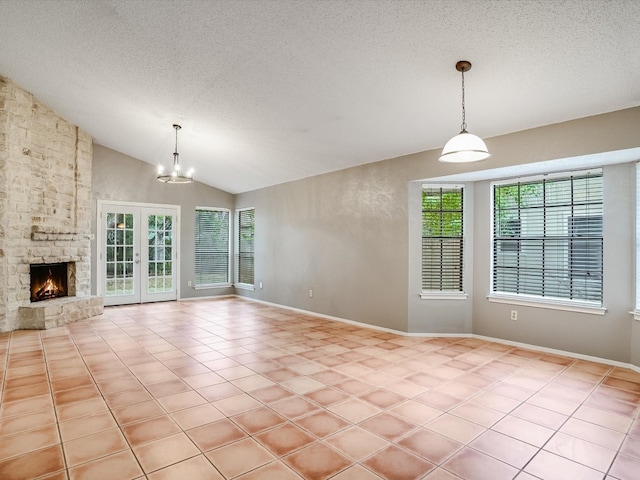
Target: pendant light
(464, 147)
(176, 175)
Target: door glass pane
(119, 254)
(160, 243)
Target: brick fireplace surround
(45, 210)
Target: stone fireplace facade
(45, 210)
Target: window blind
(245, 243)
(212, 248)
(442, 238)
(548, 237)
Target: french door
(138, 247)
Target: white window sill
(213, 285)
(245, 286)
(553, 304)
(636, 315)
(443, 296)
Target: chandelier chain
(463, 127)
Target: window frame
(226, 283)
(560, 303)
(239, 229)
(445, 294)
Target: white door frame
(100, 240)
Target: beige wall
(346, 235)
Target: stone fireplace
(45, 215)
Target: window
(212, 252)
(547, 237)
(442, 238)
(245, 221)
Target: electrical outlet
(189, 283)
(310, 293)
(260, 284)
(514, 315)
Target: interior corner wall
(348, 236)
(118, 177)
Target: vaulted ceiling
(269, 91)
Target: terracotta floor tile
(80, 394)
(405, 388)
(455, 428)
(219, 391)
(473, 465)
(552, 467)
(257, 420)
(196, 416)
(507, 449)
(382, 398)
(198, 467)
(30, 421)
(317, 461)
(524, 430)
(272, 471)
(603, 418)
(581, 451)
(25, 442)
(149, 430)
(631, 446)
(166, 451)
(124, 463)
(284, 439)
(33, 464)
(394, 463)
(356, 472)
(164, 389)
(625, 467)
(252, 382)
(439, 400)
(81, 409)
(94, 446)
(322, 424)
(483, 416)
(25, 380)
(430, 445)
(26, 392)
(356, 443)
(387, 426)
(88, 425)
(590, 432)
(293, 407)
(237, 404)
(539, 415)
(240, 457)
(354, 410)
(137, 412)
(216, 434)
(180, 401)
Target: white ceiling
(269, 91)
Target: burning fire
(49, 289)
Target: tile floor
(232, 389)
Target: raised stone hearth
(45, 210)
(56, 312)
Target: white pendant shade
(464, 148)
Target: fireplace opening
(49, 280)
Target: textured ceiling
(271, 91)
